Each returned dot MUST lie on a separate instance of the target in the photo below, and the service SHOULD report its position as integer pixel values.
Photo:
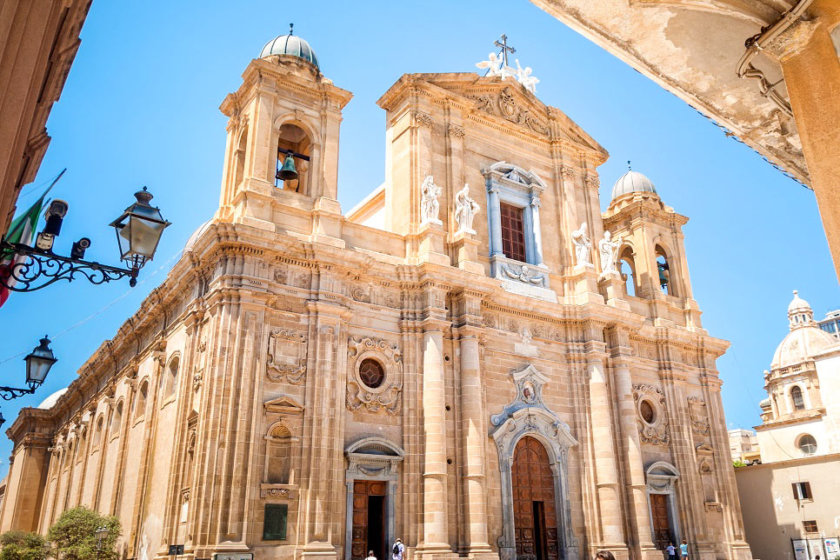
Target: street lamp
(101, 532)
(139, 230)
(38, 364)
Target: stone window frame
(661, 477)
(168, 381)
(513, 185)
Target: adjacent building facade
(790, 499)
(473, 376)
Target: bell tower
(281, 157)
(651, 258)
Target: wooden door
(661, 524)
(368, 526)
(534, 510)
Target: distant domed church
(474, 359)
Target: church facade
(465, 360)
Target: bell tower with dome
(652, 253)
(800, 417)
(281, 156)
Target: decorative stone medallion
(650, 414)
(374, 380)
(699, 416)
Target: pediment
(283, 404)
(509, 100)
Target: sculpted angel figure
(609, 254)
(583, 245)
(493, 64)
(429, 205)
(465, 210)
(525, 78)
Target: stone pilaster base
(465, 253)
(434, 551)
(318, 551)
(584, 281)
(612, 289)
(430, 247)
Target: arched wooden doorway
(535, 515)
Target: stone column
(473, 440)
(435, 534)
(631, 445)
(535, 224)
(494, 220)
(606, 472)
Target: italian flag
(21, 231)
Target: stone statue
(493, 64)
(525, 78)
(429, 205)
(609, 254)
(583, 245)
(465, 210)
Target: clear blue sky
(140, 107)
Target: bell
(288, 171)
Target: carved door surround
(661, 480)
(527, 415)
(372, 459)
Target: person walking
(604, 555)
(672, 551)
(684, 550)
(370, 555)
(397, 550)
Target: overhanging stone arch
(527, 415)
(372, 458)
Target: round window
(371, 373)
(807, 444)
(647, 412)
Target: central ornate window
(513, 216)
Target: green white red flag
(22, 231)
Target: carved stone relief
(505, 104)
(386, 396)
(286, 356)
(650, 414)
(699, 416)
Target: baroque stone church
(475, 359)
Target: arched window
(294, 149)
(627, 268)
(140, 400)
(807, 444)
(796, 397)
(663, 267)
(169, 380)
(98, 437)
(116, 419)
(279, 455)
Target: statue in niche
(609, 254)
(429, 205)
(583, 245)
(465, 210)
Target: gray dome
(630, 182)
(290, 45)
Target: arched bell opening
(663, 267)
(627, 269)
(239, 158)
(294, 150)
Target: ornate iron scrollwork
(40, 269)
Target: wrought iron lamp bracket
(43, 268)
